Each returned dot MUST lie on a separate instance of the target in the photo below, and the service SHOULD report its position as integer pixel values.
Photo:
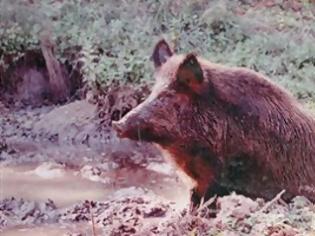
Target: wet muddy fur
(229, 129)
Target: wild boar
(228, 128)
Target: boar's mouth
(146, 134)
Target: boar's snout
(143, 123)
(133, 130)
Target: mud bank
(135, 214)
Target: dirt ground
(63, 175)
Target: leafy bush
(117, 36)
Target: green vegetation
(117, 36)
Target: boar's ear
(161, 53)
(190, 73)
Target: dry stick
(204, 205)
(275, 199)
(92, 220)
(255, 215)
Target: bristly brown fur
(234, 126)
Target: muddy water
(64, 187)
(68, 186)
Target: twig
(92, 220)
(275, 199)
(203, 205)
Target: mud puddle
(66, 186)
(48, 181)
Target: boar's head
(180, 107)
